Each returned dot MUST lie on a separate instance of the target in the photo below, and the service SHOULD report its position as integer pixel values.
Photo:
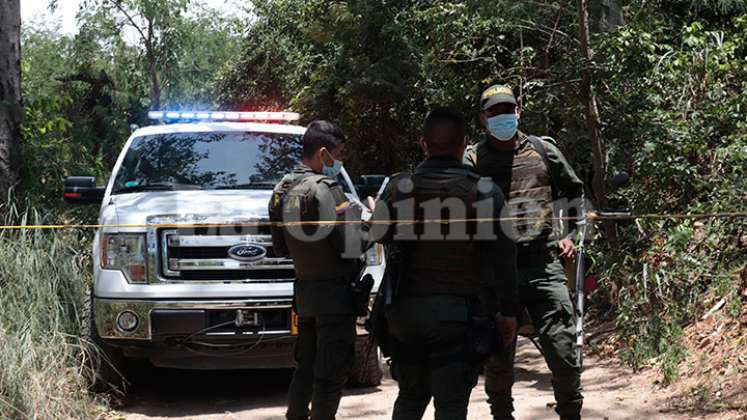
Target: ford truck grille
(202, 255)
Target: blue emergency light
(222, 116)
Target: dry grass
(714, 376)
(43, 280)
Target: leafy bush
(681, 131)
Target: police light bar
(223, 116)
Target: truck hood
(214, 206)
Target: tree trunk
(150, 56)
(155, 88)
(10, 95)
(599, 152)
(155, 84)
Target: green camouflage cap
(497, 94)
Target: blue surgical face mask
(333, 170)
(503, 127)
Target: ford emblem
(247, 252)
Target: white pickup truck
(183, 276)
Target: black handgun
(361, 288)
(486, 337)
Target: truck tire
(367, 371)
(105, 365)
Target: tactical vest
(441, 266)
(295, 199)
(524, 178)
(279, 246)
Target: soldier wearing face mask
(536, 178)
(325, 258)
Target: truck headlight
(375, 255)
(125, 252)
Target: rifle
(580, 295)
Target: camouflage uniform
(525, 178)
(323, 299)
(444, 283)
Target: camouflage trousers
(543, 291)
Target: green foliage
(74, 119)
(670, 88)
(43, 280)
(341, 61)
(82, 93)
(678, 95)
(177, 46)
(376, 67)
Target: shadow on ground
(159, 392)
(169, 392)
(261, 394)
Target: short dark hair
(321, 133)
(457, 126)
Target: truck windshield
(209, 160)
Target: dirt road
(611, 392)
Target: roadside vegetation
(670, 85)
(80, 95)
(43, 280)
(679, 100)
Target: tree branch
(119, 6)
(101, 80)
(545, 29)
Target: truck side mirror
(368, 185)
(82, 190)
(619, 180)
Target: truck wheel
(105, 365)
(367, 370)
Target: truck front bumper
(157, 320)
(202, 334)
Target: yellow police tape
(590, 216)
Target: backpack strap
(537, 145)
